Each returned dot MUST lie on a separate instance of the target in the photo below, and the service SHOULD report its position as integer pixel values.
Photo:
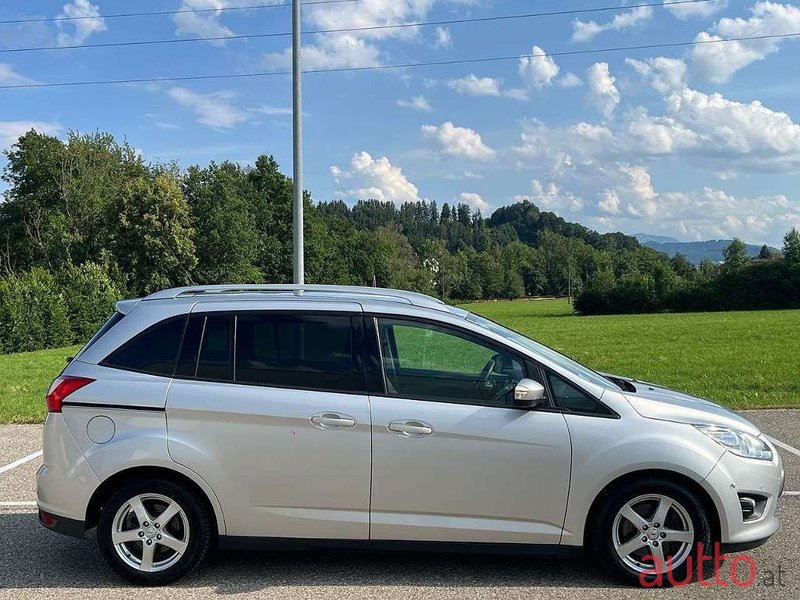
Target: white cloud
(473, 199)
(443, 38)
(376, 179)
(610, 202)
(415, 103)
(215, 110)
(586, 31)
(710, 214)
(736, 128)
(697, 9)
(665, 74)
(10, 131)
(656, 135)
(639, 190)
(551, 197)
(706, 129)
(472, 85)
(354, 49)
(273, 111)
(462, 176)
(458, 141)
(332, 52)
(8, 76)
(624, 196)
(90, 22)
(718, 62)
(537, 70)
(570, 80)
(603, 92)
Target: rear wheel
(153, 532)
(651, 526)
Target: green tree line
(739, 283)
(85, 221)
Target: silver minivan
(242, 416)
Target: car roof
(289, 292)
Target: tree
(791, 248)
(681, 266)
(152, 235)
(227, 240)
(735, 257)
(765, 253)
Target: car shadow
(43, 559)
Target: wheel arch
(696, 488)
(107, 488)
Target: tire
(687, 524)
(169, 546)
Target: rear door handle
(410, 428)
(332, 420)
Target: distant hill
(695, 252)
(645, 238)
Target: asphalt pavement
(36, 563)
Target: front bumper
(734, 475)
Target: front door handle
(410, 428)
(332, 421)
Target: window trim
(143, 332)
(526, 361)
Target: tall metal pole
(297, 111)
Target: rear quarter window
(153, 351)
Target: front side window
(154, 351)
(434, 363)
(305, 352)
(568, 397)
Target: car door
(452, 459)
(269, 407)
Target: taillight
(64, 386)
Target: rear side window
(153, 351)
(304, 352)
(216, 343)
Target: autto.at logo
(661, 574)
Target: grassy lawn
(740, 359)
(24, 379)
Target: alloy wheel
(650, 530)
(150, 532)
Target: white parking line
(25, 459)
(785, 493)
(786, 447)
(17, 504)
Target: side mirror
(528, 394)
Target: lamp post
(297, 174)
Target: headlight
(738, 442)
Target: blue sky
(696, 143)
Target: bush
(33, 314)
(89, 295)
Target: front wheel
(649, 528)
(153, 532)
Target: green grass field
(24, 379)
(741, 359)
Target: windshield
(562, 361)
